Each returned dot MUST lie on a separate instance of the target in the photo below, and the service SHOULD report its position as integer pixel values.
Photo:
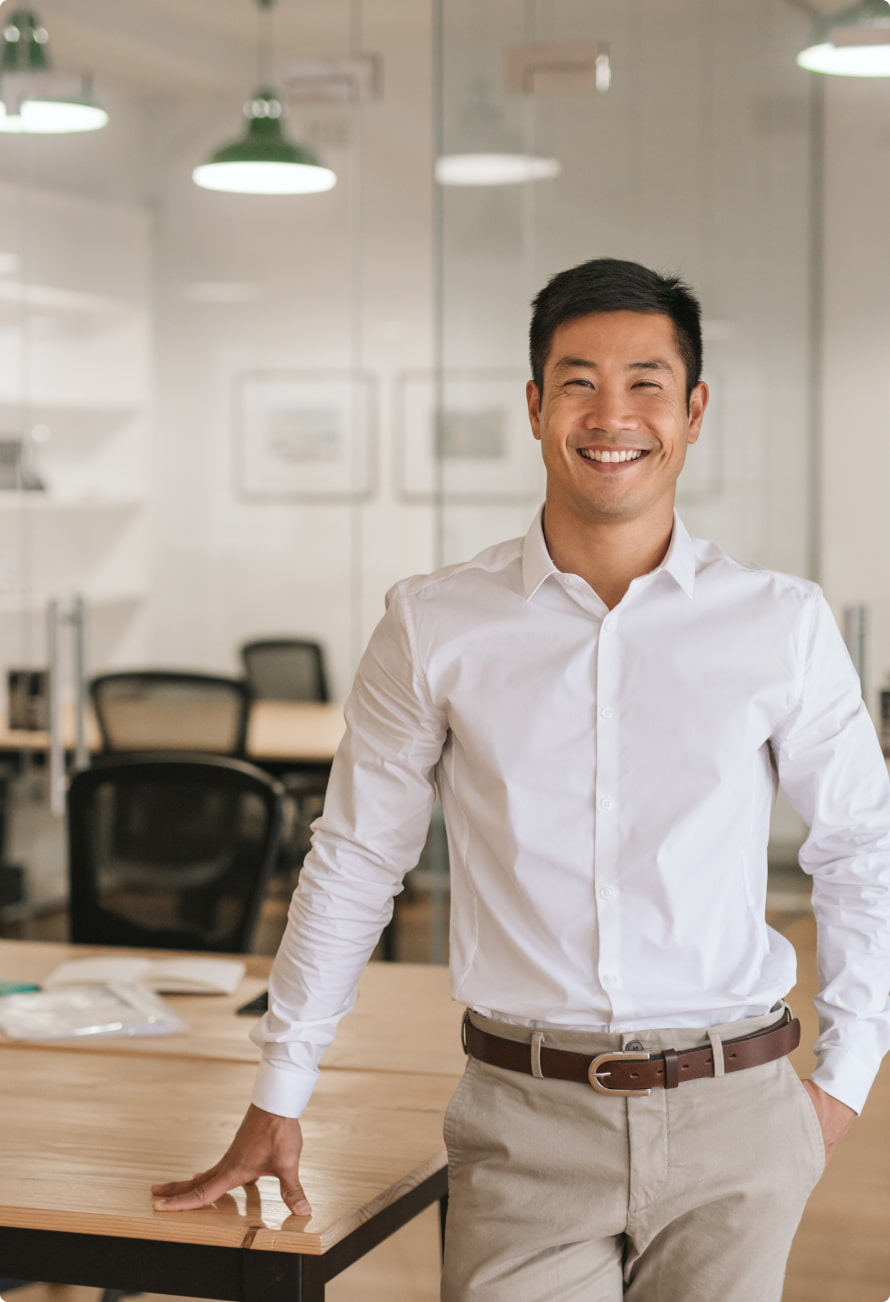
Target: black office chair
(285, 669)
(170, 850)
(160, 709)
(291, 669)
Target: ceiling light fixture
(853, 42)
(36, 98)
(501, 159)
(482, 151)
(264, 161)
(495, 169)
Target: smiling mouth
(617, 454)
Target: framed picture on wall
(464, 436)
(305, 435)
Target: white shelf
(75, 358)
(64, 418)
(18, 300)
(36, 603)
(11, 500)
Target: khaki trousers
(691, 1194)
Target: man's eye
(582, 384)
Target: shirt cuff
(282, 1090)
(844, 1077)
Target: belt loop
(671, 1069)
(717, 1051)
(537, 1041)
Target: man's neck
(610, 554)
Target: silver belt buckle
(597, 1069)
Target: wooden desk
(404, 1019)
(87, 1134)
(278, 733)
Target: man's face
(613, 420)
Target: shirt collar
(537, 564)
(680, 559)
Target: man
(605, 707)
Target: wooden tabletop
(404, 1019)
(82, 1146)
(304, 732)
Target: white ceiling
(158, 47)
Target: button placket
(607, 804)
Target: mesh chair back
(285, 669)
(162, 710)
(170, 850)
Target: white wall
(346, 280)
(854, 533)
(341, 280)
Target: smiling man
(605, 707)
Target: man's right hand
(265, 1144)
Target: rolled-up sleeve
(831, 767)
(376, 814)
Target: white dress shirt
(607, 779)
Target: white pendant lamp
(853, 42)
(494, 169)
(264, 161)
(36, 98)
(485, 152)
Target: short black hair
(613, 285)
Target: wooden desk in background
(86, 1135)
(91, 1126)
(279, 733)
(404, 1019)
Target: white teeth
(594, 454)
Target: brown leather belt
(628, 1073)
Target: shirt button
(606, 803)
(608, 625)
(606, 893)
(607, 712)
(610, 979)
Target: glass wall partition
(682, 136)
(207, 385)
(689, 148)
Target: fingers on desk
(293, 1195)
(266, 1144)
(208, 1186)
(200, 1191)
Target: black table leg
(443, 1216)
(283, 1277)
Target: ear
(698, 401)
(533, 398)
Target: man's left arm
(831, 768)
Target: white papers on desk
(81, 1011)
(181, 976)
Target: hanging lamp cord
(264, 43)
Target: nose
(611, 411)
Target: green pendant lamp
(35, 97)
(263, 161)
(853, 42)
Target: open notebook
(183, 976)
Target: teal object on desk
(17, 987)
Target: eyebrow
(583, 363)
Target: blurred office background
(230, 415)
(224, 415)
